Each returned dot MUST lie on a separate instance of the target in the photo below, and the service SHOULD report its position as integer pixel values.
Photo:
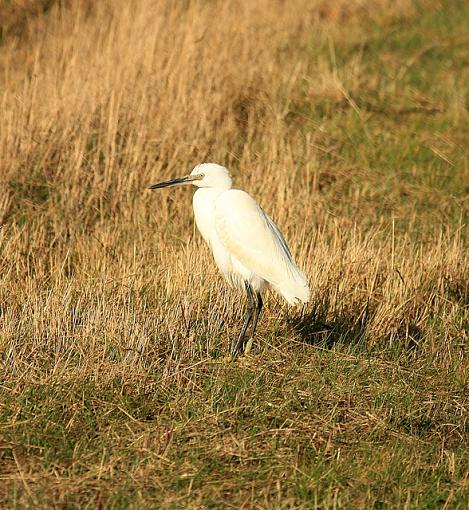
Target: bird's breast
(204, 202)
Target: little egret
(247, 246)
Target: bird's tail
(294, 288)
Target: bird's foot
(224, 359)
(237, 348)
(248, 346)
(242, 358)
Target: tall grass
(348, 123)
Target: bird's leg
(257, 311)
(238, 345)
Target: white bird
(247, 246)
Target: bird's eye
(201, 176)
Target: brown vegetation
(112, 313)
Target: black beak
(174, 182)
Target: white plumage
(247, 246)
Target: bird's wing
(253, 238)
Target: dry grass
(348, 123)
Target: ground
(348, 123)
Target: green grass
(327, 426)
(403, 130)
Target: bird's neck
(208, 194)
(203, 202)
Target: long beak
(173, 182)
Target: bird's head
(206, 175)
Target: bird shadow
(328, 328)
(321, 327)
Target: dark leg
(257, 311)
(238, 346)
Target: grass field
(348, 121)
